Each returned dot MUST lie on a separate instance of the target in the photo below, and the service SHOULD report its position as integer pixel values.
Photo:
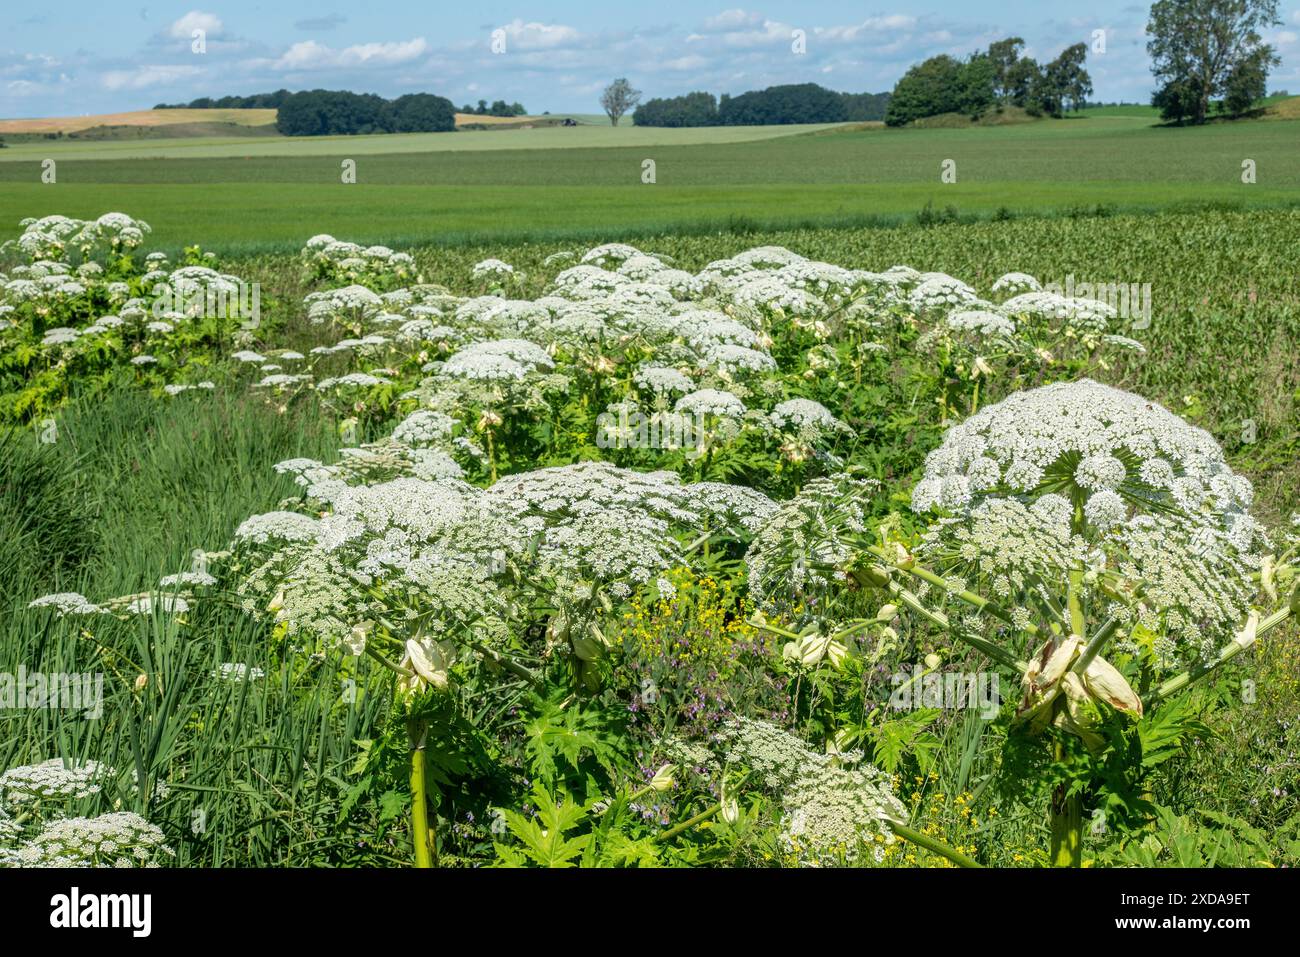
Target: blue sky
(83, 57)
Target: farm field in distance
(444, 187)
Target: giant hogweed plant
(1081, 537)
(79, 309)
(392, 553)
(433, 578)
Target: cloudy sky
(96, 57)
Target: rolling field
(154, 118)
(464, 141)
(242, 196)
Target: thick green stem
(931, 845)
(425, 851)
(969, 597)
(672, 832)
(1074, 602)
(492, 456)
(1228, 652)
(1074, 590)
(1067, 830)
(1095, 644)
(1066, 823)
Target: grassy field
(249, 196)
(464, 141)
(1277, 106)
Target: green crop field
(586, 135)
(587, 181)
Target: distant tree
(796, 103)
(517, 109)
(1178, 100)
(861, 107)
(1046, 96)
(927, 89)
(1069, 80)
(258, 101)
(421, 113)
(1198, 47)
(693, 109)
(1004, 55)
(1247, 83)
(976, 86)
(1022, 79)
(791, 103)
(335, 112)
(618, 98)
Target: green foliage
(1204, 839)
(333, 113)
(691, 109)
(793, 103)
(1206, 48)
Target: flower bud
(663, 779)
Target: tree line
(498, 108)
(791, 103)
(997, 77)
(338, 112)
(258, 101)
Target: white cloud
(147, 76)
(310, 55)
(892, 23)
(183, 29)
(539, 36)
(730, 20)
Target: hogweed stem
(425, 851)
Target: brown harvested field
(72, 124)
(155, 118)
(473, 119)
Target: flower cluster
(1084, 477)
(834, 807)
(335, 260)
(120, 839)
(52, 780)
(63, 239)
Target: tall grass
(256, 769)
